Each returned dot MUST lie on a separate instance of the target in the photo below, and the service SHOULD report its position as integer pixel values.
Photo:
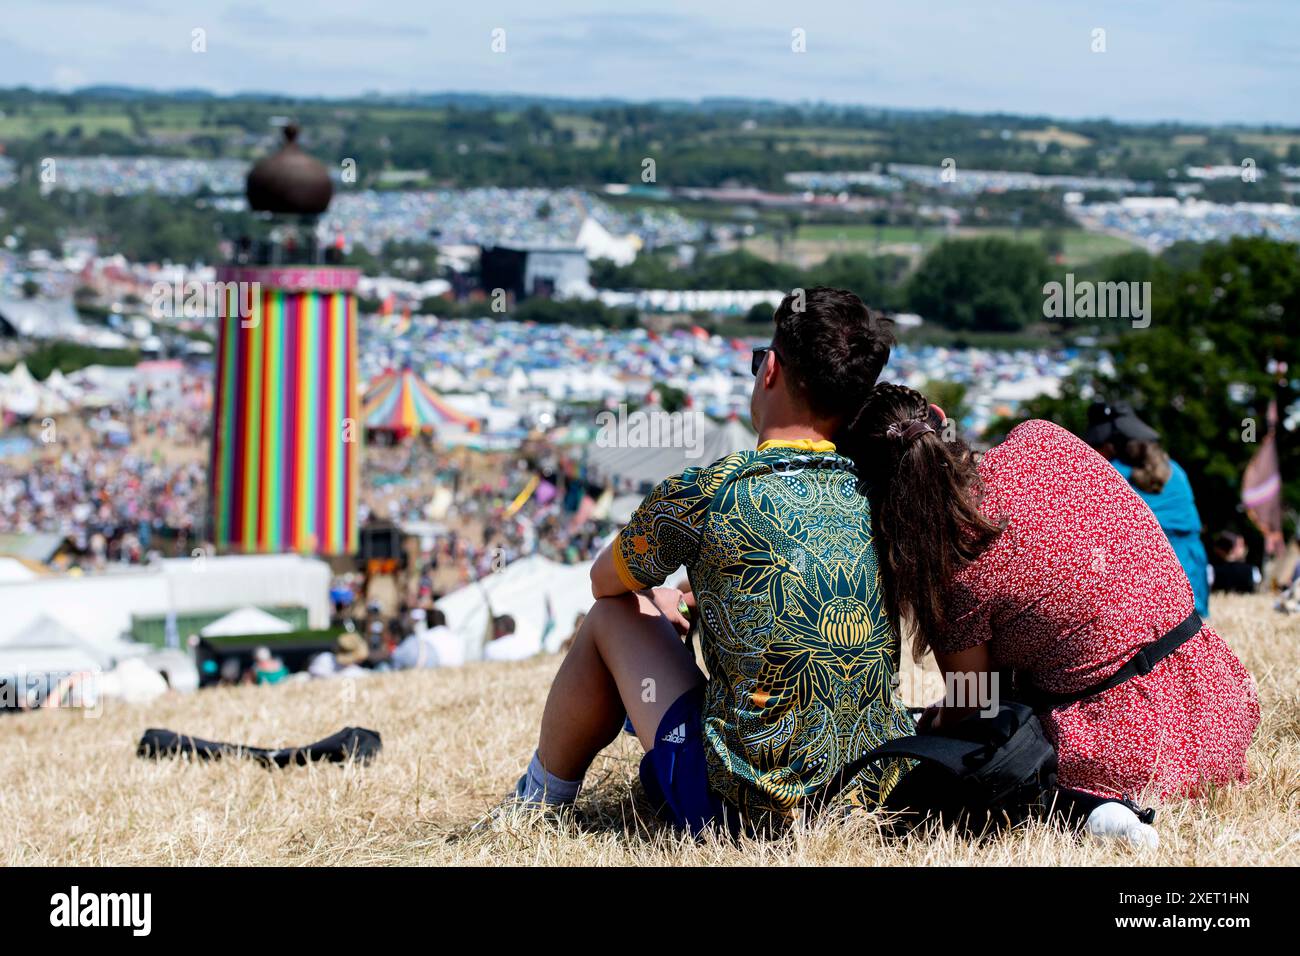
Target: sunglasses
(760, 355)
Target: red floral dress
(1080, 580)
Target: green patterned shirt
(800, 653)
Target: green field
(37, 124)
(1080, 246)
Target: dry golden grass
(454, 741)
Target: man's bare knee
(599, 619)
(631, 625)
(615, 613)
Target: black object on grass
(349, 743)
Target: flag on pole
(586, 508)
(1261, 487)
(522, 498)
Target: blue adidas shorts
(675, 775)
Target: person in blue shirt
(1133, 447)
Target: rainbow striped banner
(287, 434)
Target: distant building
(545, 271)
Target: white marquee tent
(246, 620)
(640, 465)
(46, 646)
(532, 590)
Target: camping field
(816, 241)
(75, 793)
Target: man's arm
(642, 555)
(605, 579)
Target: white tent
(61, 385)
(27, 662)
(41, 318)
(644, 465)
(479, 405)
(87, 672)
(50, 402)
(102, 385)
(517, 381)
(543, 596)
(446, 379)
(246, 620)
(133, 680)
(176, 666)
(20, 393)
(11, 569)
(597, 242)
(46, 646)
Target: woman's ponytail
(924, 490)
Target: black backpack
(986, 773)
(991, 772)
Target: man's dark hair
(833, 348)
(437, 618)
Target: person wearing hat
(350, 649)
(1133, 447)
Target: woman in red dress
(1043, 561)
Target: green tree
(671, 399)
(950, 396)
(874, 279)
(988, 284)
(1222, 328)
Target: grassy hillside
(75, 793)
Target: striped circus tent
(400, 402)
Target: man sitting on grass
(778, 546)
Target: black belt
(1137, 665)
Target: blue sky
(1215, 61)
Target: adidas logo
(675, 736)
